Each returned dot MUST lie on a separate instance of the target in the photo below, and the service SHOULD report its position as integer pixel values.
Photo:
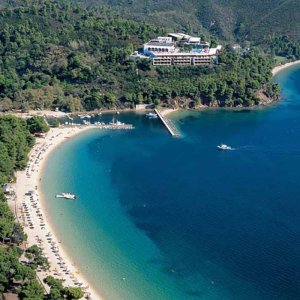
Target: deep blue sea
(174, 218)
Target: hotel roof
(159, 43)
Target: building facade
(182, 59)
(168, 50)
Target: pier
(168, 123)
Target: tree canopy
(37, 125)
(15, 143)
(54, 54)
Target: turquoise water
(165, 218)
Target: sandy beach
(32, 215)
(284, 66)
(167, 111)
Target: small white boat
(224, 147)
(84, 116)
(116, 123)
(66, 196)
(151, 115)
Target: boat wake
(241, 148)
(249, 147)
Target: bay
(166, 218)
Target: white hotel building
(164, 51)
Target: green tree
(37, 124)
(32, 290)
(74, 293)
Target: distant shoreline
(275, 71)
(279, 68)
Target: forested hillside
(228, 19)
(54, 54)
(65, 56)
(18, 267)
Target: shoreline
(59, 114)
(275, 71)
(165, 111)
(208, 108)
(29, 180)
(279, 68)
(42, 233)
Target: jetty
(168, 123)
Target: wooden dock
(168, 123)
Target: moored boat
(224, 147)
(116, 123)
(151, 115)
(66, 196)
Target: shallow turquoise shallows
(175, 218)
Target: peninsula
(83, 61)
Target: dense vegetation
(16, 276)
(15, 143)
(64, 56)
(227, 19)
(37, 124)
(285, 47)
(234, 82)
(58, 55)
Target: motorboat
(116, 123)
(66, 196)
(151, 115)
(224, 147)
(85, 122)
(84, 116)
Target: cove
(165, 218)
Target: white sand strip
(278, 69)
(33, 217)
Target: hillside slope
(54, 54)
(229, 19)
